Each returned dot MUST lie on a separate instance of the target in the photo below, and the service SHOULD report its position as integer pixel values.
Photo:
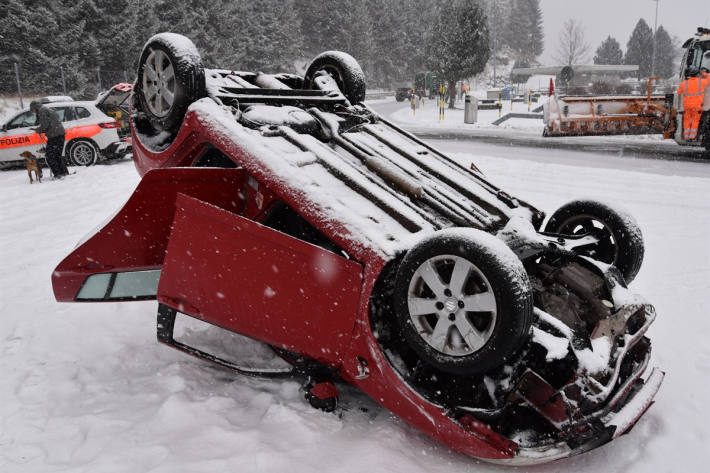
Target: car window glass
(81, 112)
(23, 120)
(64, 113)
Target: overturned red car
(281, 208)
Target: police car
(93, 129)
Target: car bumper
(614, 424)
(118, 149)
(589, 412)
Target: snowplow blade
(606, 115)
(123, 259)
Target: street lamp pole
(655, 29)
(495, 41)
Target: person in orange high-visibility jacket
(692, 90)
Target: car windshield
(29, 118)
(22, 120)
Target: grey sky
(617, 18)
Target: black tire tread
(511, 287)
(351, 73)
(189, 72)
(71, 147)
(624, 227)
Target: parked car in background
(403, 93)
(114, 103)
(94, 129)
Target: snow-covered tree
(639, 49)
(459, 46)
(43, 42)
(524, 31)
(498, 13)
(665, 54)
(388, 37)
(537, 30)
(609, 52)
(520, 78)
(572, 47)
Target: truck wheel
(170, 78)
(463, 301)
(620, 238)
(344, 69)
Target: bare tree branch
(572, 47)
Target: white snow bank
(86, 388)
(428, 116)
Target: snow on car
(283, 209)
(92, 129)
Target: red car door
(245, 277)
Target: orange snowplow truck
(683, 116)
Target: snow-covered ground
(86, 387)
(522, 131)
(428, 115)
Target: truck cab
(695, 59)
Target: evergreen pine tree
(388, 37)
(524, 32)
(609, 52)
(639, 49)
(459, 46)
(666, 65)
(537, 30)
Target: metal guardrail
(378, 95)
(535, 116)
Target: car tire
(463, 301)
(344, 69)
(621, 241)
(82, 153)
(170, 77)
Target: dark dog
(32, 165)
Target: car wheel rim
(451, 305)
(82, 154)
(158, 83)
(606, 250)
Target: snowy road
(86, 388)
(528, 133)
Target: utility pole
(19, 87)
(64, 84)
(655, 29)
(495, 40)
